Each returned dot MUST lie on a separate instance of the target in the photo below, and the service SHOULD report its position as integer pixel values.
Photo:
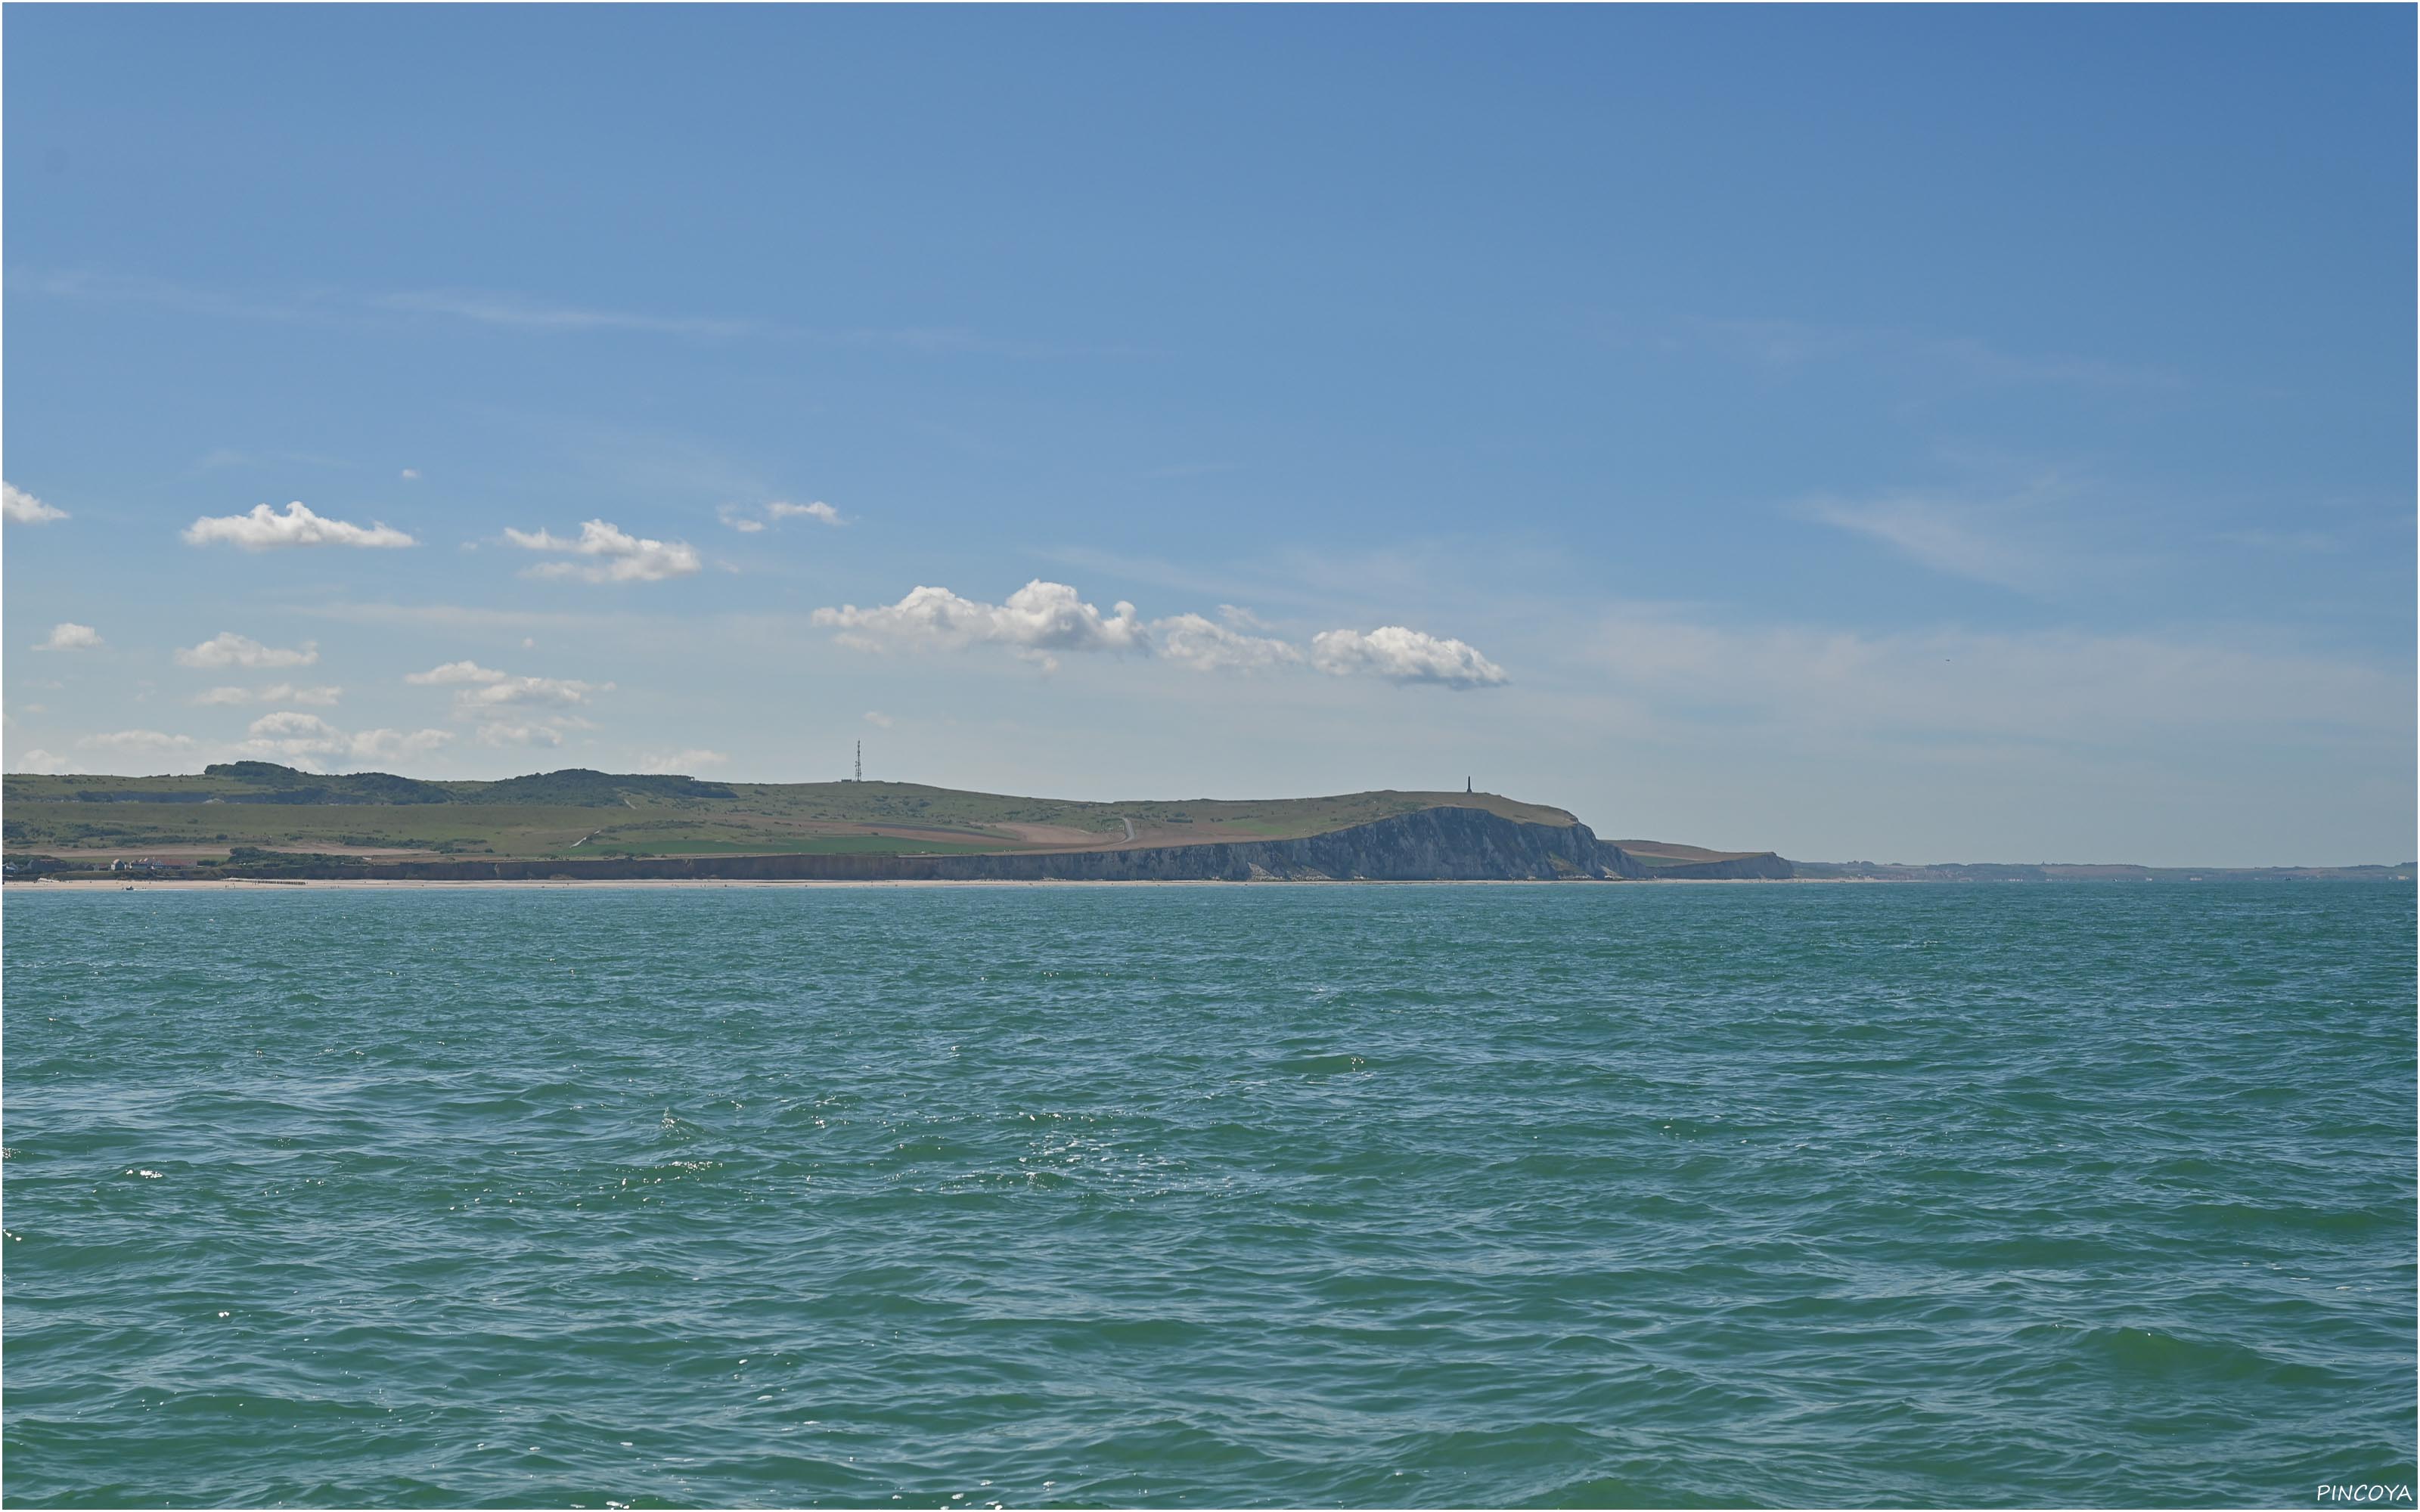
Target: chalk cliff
(1431, 844)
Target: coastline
(415, 884)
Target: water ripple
(1391, 1196)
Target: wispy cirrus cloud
(1804, 681)
(1945, 535)
(517, 313)
(1783, 346)
(502, 310)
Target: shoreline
(414, 883)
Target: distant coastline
(261, 820)
(244, 823)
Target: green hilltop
(261, 805)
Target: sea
(1560, 1195)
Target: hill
(266, 810)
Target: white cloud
(500, 734)
(1805, 683)
(486, 694)
(456, 672)
(1206, 646)
(780, 509)
(39, 761)
(1038, 619)
(682, 762)
(738, 517)
(396, 745)
(528, 314)
(524, 691)
(410, 474)
(322, 696)
(69, 635)
(618, 557)
(292, 735)
(1941, 534)
(298, 734)
(140, 744)
(228, 649)
(879, 719)
(1403, 656)
(21, 508)
(264, 530)
(1043, 618)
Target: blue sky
(1898, 433)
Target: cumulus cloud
(1403, 656)
(486, 688)
(141, 744)
(879, 719)
(1039, 619)
(265, 529)
(1206, 646)
(292, 736)
(501, 733)
(613, 555)
(1043, 619)
(21, 508)
(39, 761)
(69, 635)
(322, 697)
(456, 672)
(748, 523)
(298, 734)
(525, 691)
(504, 706)
(682, 762)
(781, 509)
(410, 474)
(228, 649)
(397, 745)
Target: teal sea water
(1375, 1196)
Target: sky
(1890, 434)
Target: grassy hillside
(1664, 852)
(583, 813)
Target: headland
(257, 821)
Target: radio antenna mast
(861, 761)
